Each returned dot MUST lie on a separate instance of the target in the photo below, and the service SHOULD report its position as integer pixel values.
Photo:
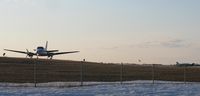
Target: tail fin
(46, 45)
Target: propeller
(27, 52)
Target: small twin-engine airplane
(41, 51)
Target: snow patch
(130, 88)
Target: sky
(111, 31)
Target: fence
(72, 73)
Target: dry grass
(21, 70)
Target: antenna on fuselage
(46, 45)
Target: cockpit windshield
(40, 47)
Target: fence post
(153, 73)
(121, 73)
(81, 72)
(184, 74)
(34, 72)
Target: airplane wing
(23, 52)
(52, 51)
(59, 53)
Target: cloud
(148, 44)
(110, 48)
(44, 3)
(175, 43)
(15, 1)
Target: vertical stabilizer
(46, 45)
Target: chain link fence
(38, 73)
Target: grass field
(21, 70)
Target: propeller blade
(27, 50)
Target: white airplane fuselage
(41, 51)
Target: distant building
(186, 64)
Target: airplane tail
(46, 45)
